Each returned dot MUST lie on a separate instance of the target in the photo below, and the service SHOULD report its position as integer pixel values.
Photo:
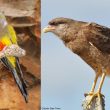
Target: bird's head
(59, 26)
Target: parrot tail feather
(17, 76)
(18, 68)
(20, 84)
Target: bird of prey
(8, 40)
(90, 41)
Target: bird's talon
(90, 93)
(93, 95)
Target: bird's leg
(98, 93)
(101, 82)
(94, 84)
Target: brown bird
(90, 41)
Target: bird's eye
(56, 23)
(52, 23)
(61, 22)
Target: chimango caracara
(90, 41)
(8, 38)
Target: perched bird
(8, 40)
(90, 41)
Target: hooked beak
(48, 29)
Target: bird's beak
(48, 29)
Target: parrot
(8, 37)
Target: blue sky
(65, 76)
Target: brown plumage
(90, 41)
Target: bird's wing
(12, 34)
(99, 36)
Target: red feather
(2, 46)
